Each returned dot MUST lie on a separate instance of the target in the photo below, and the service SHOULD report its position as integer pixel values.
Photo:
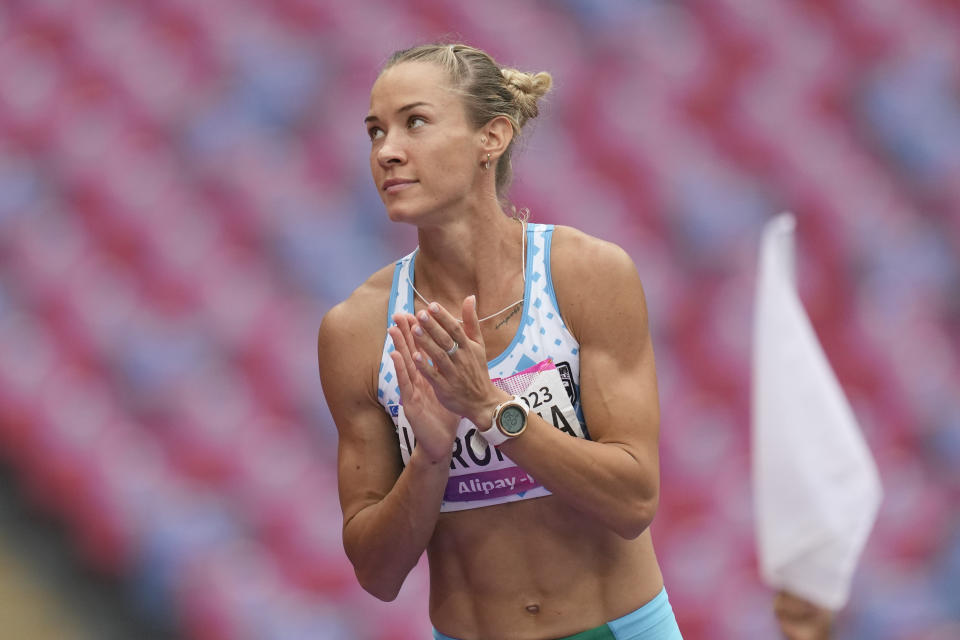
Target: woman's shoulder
(581, 255)
(362, 316)
(349, 347)
(589, 275)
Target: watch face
(513, 420)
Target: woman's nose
(390, 152)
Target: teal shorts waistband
(652, 621)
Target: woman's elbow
(637, 518)
(373, 576)
(377, 586)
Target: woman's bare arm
(616, 476)
(389, 512)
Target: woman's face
(424, 155)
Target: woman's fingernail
(418, 357)
(424, 316)
(417, 330)
(434, 307)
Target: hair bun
(527, 89)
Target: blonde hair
(488, 90)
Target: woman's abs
(534, 569)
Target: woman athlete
(494, 391)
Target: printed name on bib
(481, 475)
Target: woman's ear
(496, 136)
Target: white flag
(816, 486)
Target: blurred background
(185, 191)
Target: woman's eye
(375, 132)
(416, 121)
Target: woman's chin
(396, 214)
(402, 214)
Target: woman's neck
(474, 254)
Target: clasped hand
(438, 381)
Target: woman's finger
(427, 370)
(398, 334)
(429, 338)
(409, 323)
(448, 323)
(415, 335)
(403, 378)
(471, 322)
(433, 337)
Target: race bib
(480, 475)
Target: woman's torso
(506, 562)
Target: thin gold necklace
(523, 275)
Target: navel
(533, 609)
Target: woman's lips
(396, 185)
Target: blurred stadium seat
(184, 192)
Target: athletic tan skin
(534, 569)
